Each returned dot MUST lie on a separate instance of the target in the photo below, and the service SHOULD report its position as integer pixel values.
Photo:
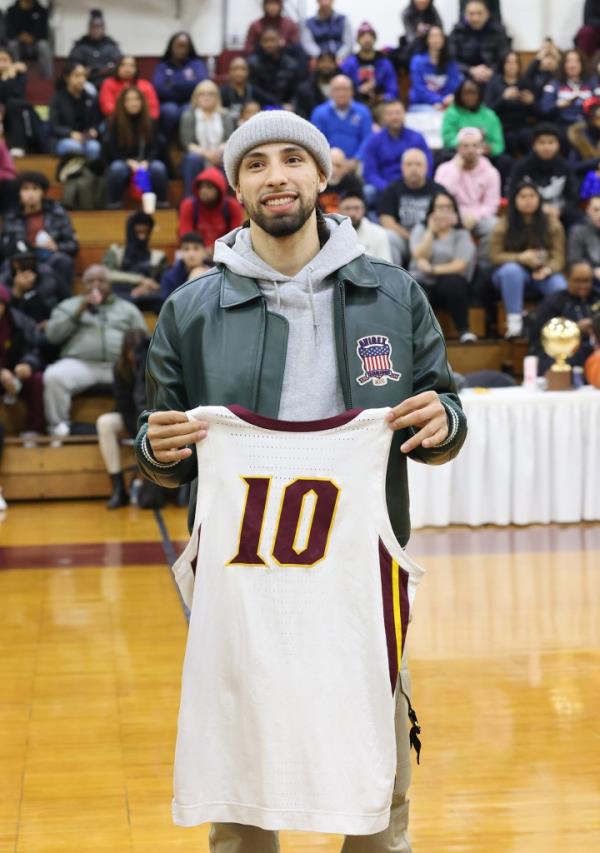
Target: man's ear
(322, 182)
(238, 194)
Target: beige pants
(110, 428)
(238, 838)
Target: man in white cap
(276, 327)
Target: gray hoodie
(311, 386)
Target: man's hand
(7, 380)
(169, 433)
(23, 371)
(425, 411)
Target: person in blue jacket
(346, 123)
(175, 78)
(371, 72)
(383, 152)
(434, 76)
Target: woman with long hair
(132, 145)
(130, 400)
(442, 261)
(434, 76)
(527, 248)
(514, 104)
(126, 75)
(175, 77)
(203, 130)
(563, 98)
(417, 19)
(22, 127)
(74, 115)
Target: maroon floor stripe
(80, 556)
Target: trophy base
(559, 380)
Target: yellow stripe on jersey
(397, 612)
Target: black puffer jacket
(472, 47)
(274, 80)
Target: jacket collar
(239, 289)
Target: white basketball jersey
(300, 598)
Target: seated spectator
(22, 127)
(478, 43)
(28, 35)
(317, 88)
(563, 97)
(89, 330)
(584, 239)
(371, 72)
(132, 148)
(327, 31)
(404, 203)
(210, 211)
(190, 263)
(514, 104)
(175, 79)
(343, 182)
(551, 174)
(249, 109)
(237, 91)
(126, 75)
(8, 178)
(475, 185)
(434, 77)
(592, 364)
(373, 237)
(417, 19)
(203, 130)
(45, 224)
(469, 111)
(578, 302)
(274, 71)
(588, 36)
(528, 249)
(346, 123)
(21, 362)
(273, 19)
(584, 137)
(75, 116)
(383, 152)
(33, 286)
(493, 7)
(96, 51)
(542, 69)
(130, 400)
(134, 270)
(442, 261)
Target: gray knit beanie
(275, 126)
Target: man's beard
(284, 225)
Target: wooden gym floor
(505, 658)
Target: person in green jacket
(89, 330)
(468, 110)
(279, 326)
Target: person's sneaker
(468, 338)
(59, 432)
(3, 504)
(514, 326)
(17, 152)
(29, 438)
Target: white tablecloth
(529, 457)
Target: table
(530, 457)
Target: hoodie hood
(235, 251)
(213, 176)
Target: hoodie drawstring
(311, 299)
(278, 294)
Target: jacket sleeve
(307, 40)
(149, 93)
(454, 78)
(349, 67)
(186, 217)
(165, 391)
(489, 204)
(347, 40)
(556, 255)
(64, 233)
(577, 249)
(498, 254)
(63, 323)
(431, 372)
(389, 81)
(370, 167)
(159, 81)
(495, 134)
(450, 127)
(548, 100)
(58, 127)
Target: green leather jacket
(216, 344)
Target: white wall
(143, 27)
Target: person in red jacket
(210, 211)
(125, 75)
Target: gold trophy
(560, 339)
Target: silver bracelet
(454, 428)
(148, 456)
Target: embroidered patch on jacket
(375, 353)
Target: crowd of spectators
(480, 176)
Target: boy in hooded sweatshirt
(210, 211)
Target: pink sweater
(7, 168)
(477, 191)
